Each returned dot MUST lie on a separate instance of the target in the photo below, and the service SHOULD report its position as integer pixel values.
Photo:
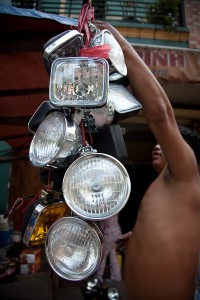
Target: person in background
(163, 249)
(111, 231)
(197, 291)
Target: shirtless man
(163, 249)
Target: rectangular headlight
(65, 44)
(79, 82)
(43, 216)
(122, 99)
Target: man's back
(162, 254)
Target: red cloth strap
(101, 51)
(86, 15)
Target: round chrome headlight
(74, 248)
(103, 116)
(55, 139)
(116, 55)
(96, 186)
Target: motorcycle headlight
(74, 248)
(122, 99)
(79, 82)
(65, 44)
(43, 215)
(112, 293)
(96, 186)
(41, 112)
(55, 140)
(116, 56)
(102, 115)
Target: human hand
(123, 241)
(106, 25)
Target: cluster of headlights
(96, 185)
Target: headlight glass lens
(43, 216)
(79, 82)
(55, 139)
(96, 186)
(122, 99)
(74, 248)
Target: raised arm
(157, 109)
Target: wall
(192, 14)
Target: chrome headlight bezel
(103, 116)
(65, 44)
(74, 248)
